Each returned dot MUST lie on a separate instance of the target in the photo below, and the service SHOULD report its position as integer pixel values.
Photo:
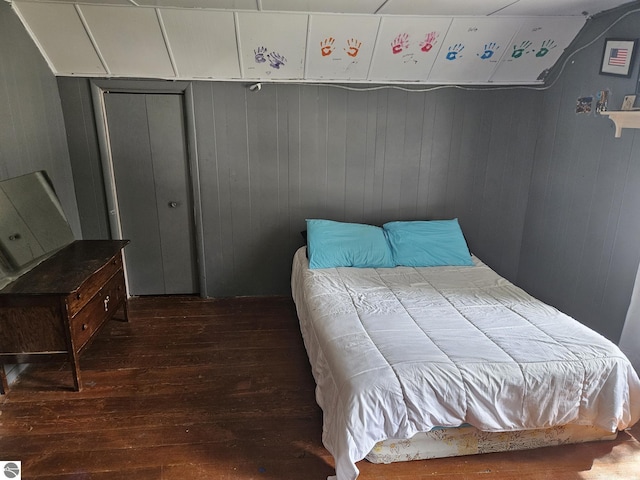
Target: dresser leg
(75, 366)
(4, 385)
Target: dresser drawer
(101, 307)
(78, 299)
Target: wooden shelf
(624, 119)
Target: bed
(420, 359)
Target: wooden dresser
(54, 310)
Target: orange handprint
(326, 46)
(354, 47)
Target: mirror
(32, 224)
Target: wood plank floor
(202, 389)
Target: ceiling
(482, 42)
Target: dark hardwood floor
(195, 389)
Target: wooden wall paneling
(84, 153)
(61, 35)
(394, 156)
(231, 149)
(337, 138)
(413, 144)
(130, 40)
(624, 264)
(214, 190)
(289, 134)
(440, 151)
(32, 133)
(203, 43)
(357, 134)
(267, 226)
(313, 152)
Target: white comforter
(398, 351)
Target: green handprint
(546, 46)
(519, 51)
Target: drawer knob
(84, 326)
(106, 303)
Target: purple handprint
(259, 54)
(276, 60)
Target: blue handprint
(489, 50)
(276, 60)
(454, 50)
(259, 54)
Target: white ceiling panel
(560, 7)
(340, 46)
(218, 4)
(272, 45)
(62, 37)
(203, 43)
(330, 6)
(537, 47)
(130, 40)
(442, 7)
(102, 2)
(407, 47)
(472, 49)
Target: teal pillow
(430, 243)
(337, 244)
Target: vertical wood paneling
(32, 134)
(580, 238)
(272, 158)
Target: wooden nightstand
(54, 310)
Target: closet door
(146, 134)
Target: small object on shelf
(627, 103)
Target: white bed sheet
(401, 350)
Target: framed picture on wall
(617, 58)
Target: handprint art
(260, 53)
(518, 51)
(489, 50)
(326, 46)
(454, 51)
(400, 43)
(546, 46)
(353, 47)
(429, 41)
(276, 60)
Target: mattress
(399, 351)
(467, 440)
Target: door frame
(99, 88)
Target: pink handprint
(429, 41)
(354, 47)
(400, 43)
(326, 46)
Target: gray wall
(270, 159)
(581, 241)
(32, 132)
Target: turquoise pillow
(337, 244)
(432, 243)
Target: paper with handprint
(536, 48)
(341, 46)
